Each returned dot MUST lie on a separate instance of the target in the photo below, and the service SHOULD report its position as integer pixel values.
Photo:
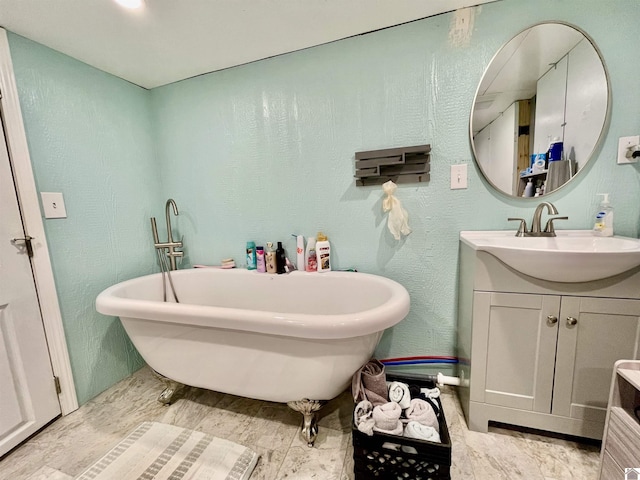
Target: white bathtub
(280, 338)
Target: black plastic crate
(432, 461)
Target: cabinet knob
(571, 321)
(552, 319)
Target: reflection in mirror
(547, 86)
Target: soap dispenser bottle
(603, 226)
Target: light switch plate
(458, 176)
(53, 205)
(623, 144)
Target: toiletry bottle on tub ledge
(310, 258)
(323, 252)
(251, 256)
(281, 259)
(262, 267)
(270, 258)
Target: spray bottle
(300, 263)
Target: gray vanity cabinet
(542, 359)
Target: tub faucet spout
(170, 245)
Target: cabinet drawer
(623, 438)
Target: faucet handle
(522, 229)
(549, 227)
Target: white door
(28, 398)
(550, 102)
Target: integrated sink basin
(571, 256)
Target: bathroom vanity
(540, 353)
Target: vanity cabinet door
(593, 333)
(517, 334)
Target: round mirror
(540, 110)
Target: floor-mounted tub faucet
(549, 230)
(170, 245)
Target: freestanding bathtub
(295, 338)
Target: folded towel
(422, 412)
(369, 383)
(421, 432)
(399, 393)
(387, 418)
(363, 417)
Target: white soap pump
(603, 226)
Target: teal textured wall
(89, 137)
(264, 150)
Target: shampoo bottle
(311, 261)
(323, 252)
(270, 258)
(281, 260)
(603, 226)
(251, 256)
(260, 263)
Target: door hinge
(56, 381)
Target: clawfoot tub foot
(308, 409)
(171, 388)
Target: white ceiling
(170, 40)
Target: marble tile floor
(70, 444)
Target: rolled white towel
(422, 412)
(363, 417)
(387, 418)
(421, 432)
(399, 393)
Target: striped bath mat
(164, 452)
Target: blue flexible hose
(419, 362)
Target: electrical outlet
(53, 205)
(623, 147)
(458, 176)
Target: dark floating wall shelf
(402, 165)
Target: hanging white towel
(398, 221)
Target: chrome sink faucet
(549, 230)
(170, 245)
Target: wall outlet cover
(623, 146)
(53, 205)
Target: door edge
(30, 208)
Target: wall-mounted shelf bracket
(401, 165)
